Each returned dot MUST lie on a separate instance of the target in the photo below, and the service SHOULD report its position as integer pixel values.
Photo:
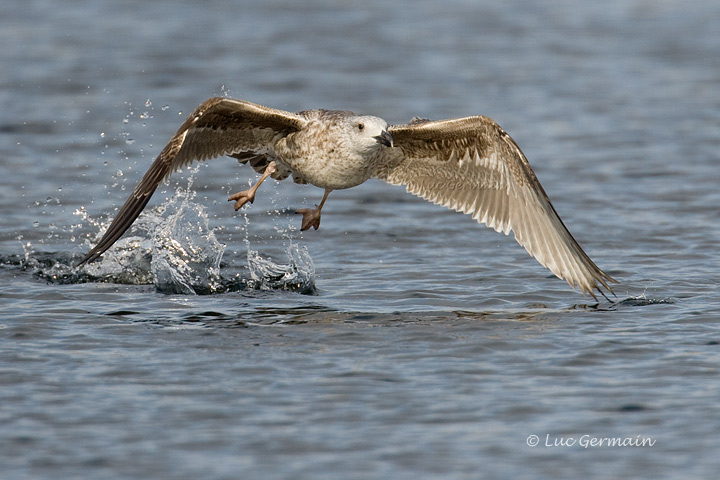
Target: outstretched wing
(472, 166)
(219, 126)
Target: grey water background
(432, 347)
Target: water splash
(185, 252)
(296, 275)
(127, 262)
(171, 246)
(644, 301)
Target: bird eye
(360, 126)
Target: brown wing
(472, 166)
(219, 126)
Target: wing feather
(219, 126)
(472, 166)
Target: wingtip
(89, 258)
(610, 290)
(603, 281)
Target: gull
(469, 165)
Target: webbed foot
(311, 218)
(241, 198)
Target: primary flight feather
(468, 164)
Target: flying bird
(467, 164)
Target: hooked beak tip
(385, 139)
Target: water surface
(399, 340)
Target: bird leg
(311, 216)
(241, 198)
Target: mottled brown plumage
(469, 165)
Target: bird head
(370, 132)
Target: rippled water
(399, 340)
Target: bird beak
(385, 139)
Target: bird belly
(331, 173)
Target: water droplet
(165, 107)
(148, 103)
(36, 224)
